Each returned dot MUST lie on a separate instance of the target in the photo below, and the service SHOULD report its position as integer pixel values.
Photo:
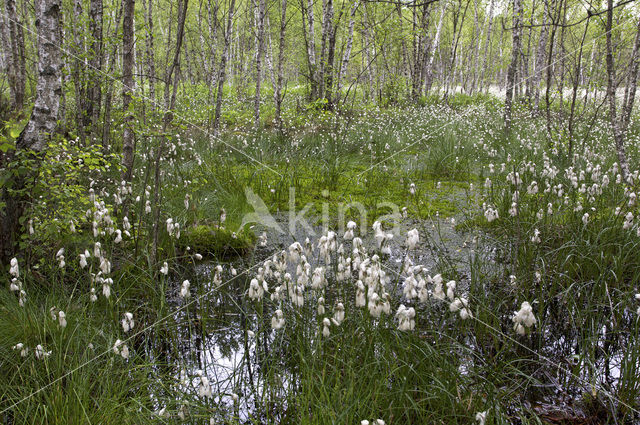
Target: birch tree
(346, 55)
(128, 47)
(16, 55)
(42, 122)
(260, 10)
(620, 123)
(223, 66)
(281, 51)
(513, 66)
(94, 82)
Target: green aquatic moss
(220, 242)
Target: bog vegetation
(349, 212)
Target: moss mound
(214, 241)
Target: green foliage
(61, 189)
(217, 242)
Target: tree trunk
(451, 81)
(549, 67)
(632, 83)
(212, 20)
(574, 92)
(78, 71)
(327, 49)
(328, 64)
(281, 49)
(16, 64)
(513, 66)
(540, 54)
(174, 71)
(616, 123)
(94, 81)
(175, 65)
(310, 39)
(370, 57)
(421, 54)
(151, 60)
(42, 123)
(111, 60)
(477, 48)
(347, 50)
(487, 46)
(128, 46)
(260, 10)
(5, 58)
(434, 49)
(223, 66)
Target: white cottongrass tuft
(184, 289)
(127, 322)
(121, 348)
(277, 321)
(523, 318)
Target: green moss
(211, 240)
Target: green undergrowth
(47, 389)
(353, 192)
(216, 241)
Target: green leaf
(4, 147)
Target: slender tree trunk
(327, 52)
(454, 49)
(42, 123)
(434, 49)
(403, 46)
(557, 8)
(540, 54)
(268, 52)
(128, 47)
(616, 123)
(172, 74)
(260, 10)
(425, 50)
(223, 66)
(513, 66)
(16, 64)
(5, 59)
(150, 54)
(173, 71)
(106, 127)
(487, 46)
(78, 71)
(310, 40)
(168, 66)
(281, 51)
(212, 19)
(416, 54)
(574, 93)
(368, 42)
(94, 80)
(632, 83)
(421, 45)
(562, 52)
(347, 50)
(476, 49)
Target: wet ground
(220, 342)
(217, 339)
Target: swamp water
(251, 368)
